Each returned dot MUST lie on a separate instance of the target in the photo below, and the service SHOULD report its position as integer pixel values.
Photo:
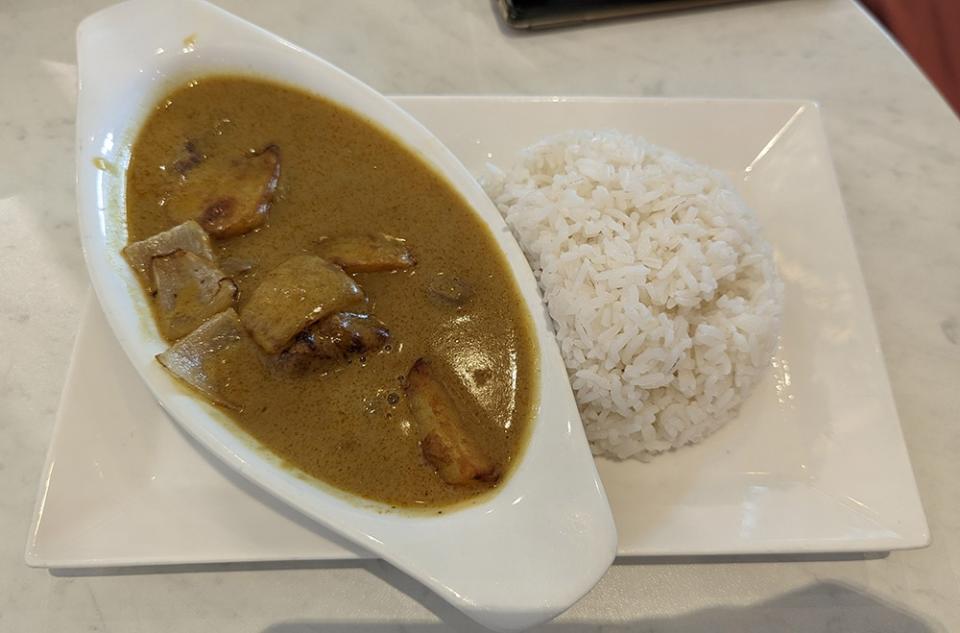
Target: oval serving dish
(516, 558)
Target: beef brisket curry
(329, 292)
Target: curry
(330, 293)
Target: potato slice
(370, 253)
(190, 289)
(298, 292)
(188, 237)
(203, 359)
(228, 196)
(444, 440)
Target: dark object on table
(930, 31)
(540, 14)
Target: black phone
(538, 14)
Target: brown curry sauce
(347, 422)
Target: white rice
(662, 290)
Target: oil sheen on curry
(329, 292)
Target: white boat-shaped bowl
(515, 559)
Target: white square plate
(815, 462)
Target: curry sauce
(348, 421)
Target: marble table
(897, 151)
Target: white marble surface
(897, 152)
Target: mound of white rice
(662, 290)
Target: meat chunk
(370, 253)
(188, 237)
(190, 157)
(228, 196)
(449, 291)
(190, 289)
(302, 290)
(236, 266)
(340, 335)
(203, 358)
(444, 442)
